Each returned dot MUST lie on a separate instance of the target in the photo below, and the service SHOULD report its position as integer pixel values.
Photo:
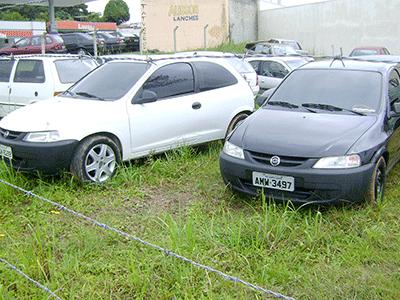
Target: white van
(30, 78)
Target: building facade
(194, 24)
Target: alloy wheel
(100, 163)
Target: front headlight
(233, 150)
(42, 137)
(339, 162)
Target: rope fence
(150, 245)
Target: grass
(179, 201)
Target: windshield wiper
(67, 92)
(88, 95)
(288, 105)
(330, 107)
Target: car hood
(292, 133)
(56, 114)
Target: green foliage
(116, 11)
(179, 201)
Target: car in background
(33, 45)
(123, 110)
(80, 43)
(112, 44)
(379, 58)
(329, 135)
(27, 79)
(292, 43)
(131, 40)
(272, 49)
(272, 70)
(362, 51)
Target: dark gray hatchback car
(329, 133)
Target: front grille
(286, 161)
(11, 135)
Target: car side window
(394, 87)
(30, 71)
(256, 66)
(36, 41)
(48, 40)
(212, 76)
(171, 81)
(23, 42)
(5, 70)
(273, 69)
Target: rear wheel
(236, 121)
(376, 190)
(96, 159)
(81, 51)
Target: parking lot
(259, 169)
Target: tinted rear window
(343, 88)
(212, 76)
(71, 70)
(5, 70)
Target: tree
(116, 11)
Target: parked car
(241, 65)
(79, 43)
(329, 134)
(362, 51)
(292, 43)
(132, 41)
(106, 118)
(112, 44)
(272, 70)
(27, 79)
(272, 49)
(379, 58)
(33, 45)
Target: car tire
(236, 121)
(95, 159)
(376, 190)
(81, 51)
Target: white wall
(341, 23)
(243, 20)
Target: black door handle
(36, 94)
(196, 105)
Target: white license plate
(6, 151)
(271, 181)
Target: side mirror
(147, 96)
(396, 108)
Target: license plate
(6, 151)
(271, 181)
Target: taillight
(58, 47)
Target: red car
(361, 51)
(33, 45)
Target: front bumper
(311, 185)
(49, 158)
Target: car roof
(275, 58)
(52, 56)
(282, 40)
(379, 58)
(350, 64)
(369, 48)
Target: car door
(22, 46)
(271, 74)
(30, 83)
(394, 119)
(36, 45)
(6, 67)
(164, 123)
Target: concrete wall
(243, 16)
(161, 17)
(341, 23)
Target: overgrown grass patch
(178, 201)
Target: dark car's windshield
(109, 82)
(352, 90)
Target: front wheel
(95, 159)
(376, 190)
(236, 121)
